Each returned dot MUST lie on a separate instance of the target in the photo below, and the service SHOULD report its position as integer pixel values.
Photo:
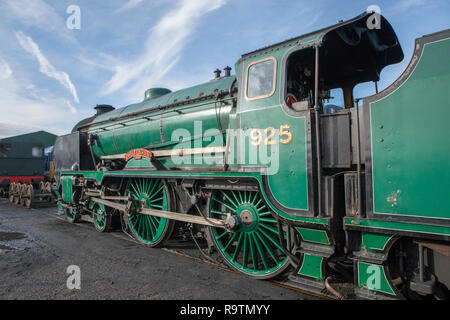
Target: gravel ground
(37, 246)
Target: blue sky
(51, 76)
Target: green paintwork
(153, 93)
(253, 248)
(99, 216)
(373, 277)
(71, 214)
(41, 137)
(148, 229)
(142, 163)
(66, 182)
(289, 185)
(374, 242)
(411, 139)
(313, 235)
(98, 176)
(16, 157)
(157, 129)
(397, 226)
(312, 266)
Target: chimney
(227, 70)
(217, 73)
(103, 108)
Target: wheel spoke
(138, 185)
(235, 197)
(245, 256)
(268, 220)
(240, 196)
(155, 200)
(153, 194)
(224, 233)
(230, 241)
(266, 245)
(238, 246)
(145, 230)
(261, 253)
(253, 253)
(225, 205)
(272, 240)
(150, 185)
(255, 196)
(269, 228)
(230, 200)
(135, 191)
(260, 208)
(152, 220)
(258, 203)
(219, 212)
(150, 227)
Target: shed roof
(45, 138)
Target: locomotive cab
(347, 56)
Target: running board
(166, 214)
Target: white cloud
(130, 4)
(37, 13)
(163, 46)
(45, 66)
(99, 60)
(25, 109)
(5, 69)
(72, 109)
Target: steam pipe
(358, 155)
(332, 290)
(317, 120)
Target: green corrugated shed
(43, 137)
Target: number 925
(257, 136)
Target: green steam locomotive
(276, 178)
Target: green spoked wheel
(153, 194)
(253, 248)
(102, 218)
(72, 215)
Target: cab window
(261, 79)
(37, 152)
(5, 148)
